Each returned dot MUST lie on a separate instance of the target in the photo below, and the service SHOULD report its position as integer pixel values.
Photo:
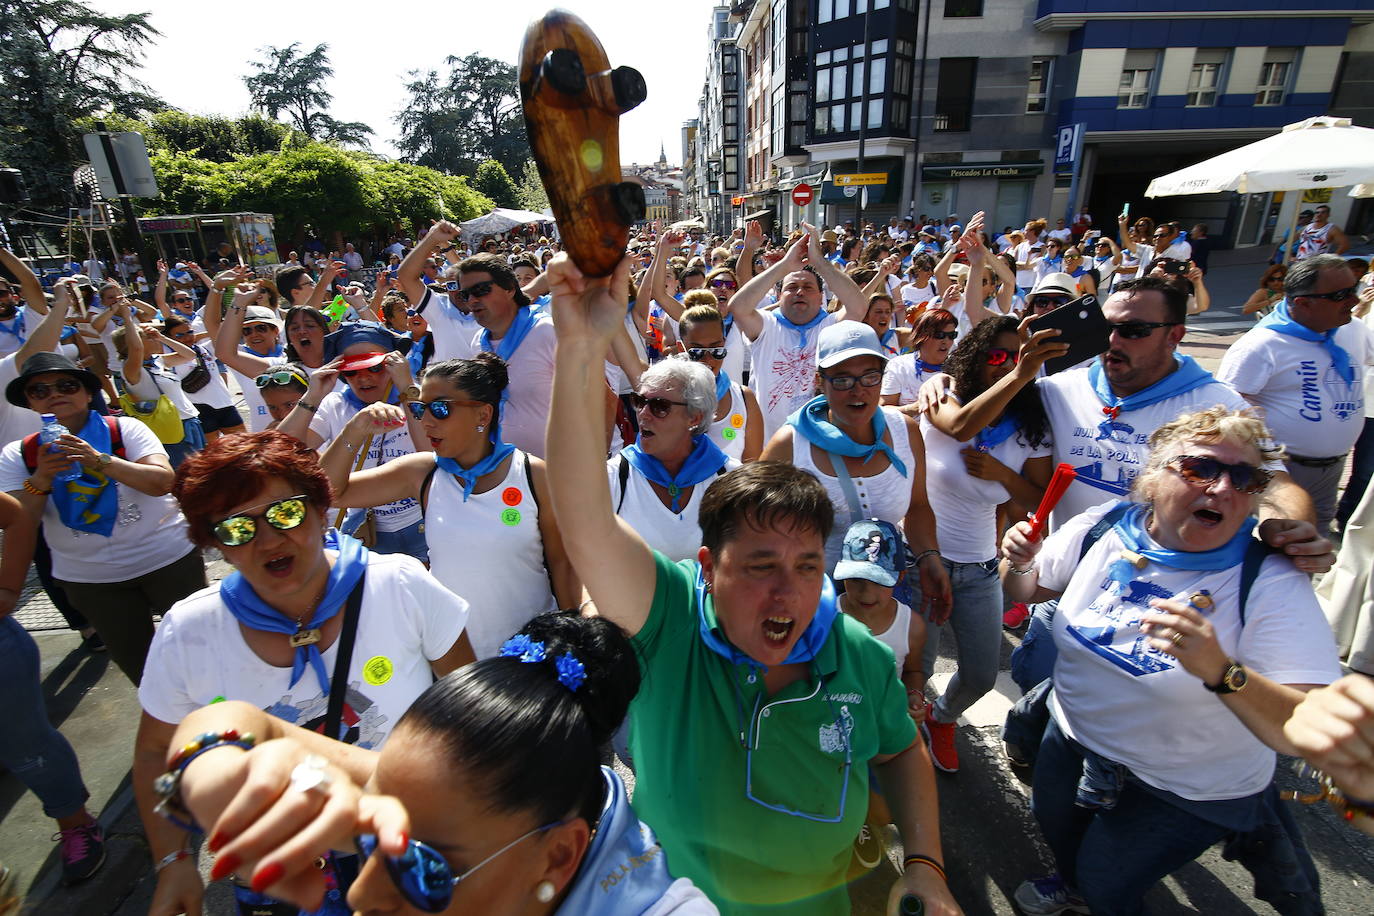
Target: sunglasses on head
(281, 377)
(1204, 471)
(870, 379)
(475, 291)
(1339, 295)
(1138, 330)
(697, 354)
(283, 515)
(659, 407)
(423, 875)
(40, 390)
(723, 283)
(1001, 356)
(439, 408)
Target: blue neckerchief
(352, 400)
(801, 329)
(1131, 530)
(992, 436)
(727, 323)
(276, 351)
(515, 335)
(468, 476)
(15, 326)
(89, 503)
(1185, 378)
(888, 340)
(68, 332)
(704, 462)
(1281, 321)
(416, 356)
(722, 384)
(929, 367)
(811, 423)
(623, 846)
(805, 649)
(250, 610)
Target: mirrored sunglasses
(439, 408)
(723, 283)
(1000, 356)
(697, 354)
(1201, 470)
(283, 515)
(283, 377)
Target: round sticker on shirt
(377, 670)
(510, 517)
(511, 496)
(728, 434)
(736, 420)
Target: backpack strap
(623, 472)
(116, 437)
(424, 489)
(1256, 552)
(28, 448)
(1104, 524)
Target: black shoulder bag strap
(338, 685)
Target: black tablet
(1081, 324)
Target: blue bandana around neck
(1185, 378)
(468, 476)
(889, 340)
(722, 384)
(929, 367)
(250, 610)
(801, 329)
(1281, 321)
(704, 462)
(806, 647)
(515, 335)
(15, 326)
(276, 351)
(1131, 529)
(416, 356)
(728, 322)
(992, 436)
(89, 503)
(811, 422)
(393, 396)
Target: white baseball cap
(844, 340)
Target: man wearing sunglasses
(784, 355)
(1304, 364)
(450, 321)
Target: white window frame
(1268, 92)
(1131, 94)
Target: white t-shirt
(149, 531)
(157, 380)
(1311, 410)
(903, 377)
(329, 421)
(1024, 278)
(1064, 235)
(408, 620)
(216, 392)
(784, 372)
(15, 422)
(525, 412)
(914, 295)
(965, 507)
(1108, 454)
(1116, 695)
(258, 416)
(452, 330)
(676, 535)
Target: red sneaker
(940, 737)
(1015, 615)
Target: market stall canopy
(502, 220)
(1320, 152)
(688, 224)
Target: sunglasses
(722, 283)
(439, 408)
(475, 291)
(870, 379)
(1339, 295)
(659, 407)
(40, 390)
(349, 373)
(945, 335)
(1138, 330)
(1048, 302)
(423, 876)
(697, 354)
(284, 377)
(1000, 356)
(1203, 471)
(284, 515)
(181, 299)
(254, 328)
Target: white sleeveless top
(675, 535)
(886, 496)
(898, 636)
(489, 551)
(728, 433)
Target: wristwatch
(410, 394)
(102, 462)
(1233, 679)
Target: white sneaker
(1048, 896)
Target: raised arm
(753, 241)
(46, 336)
(297, 422)
(941, 273)
(613, 562)
(744, 305)
(29, 287)
(1203, 299)
(840, 284)
(654, 279)
(410, 275)
(374, 486)
(133, 343)
(962, 422)
(180, 353)
(160, 290)
(230, 333)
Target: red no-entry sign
(801, 195)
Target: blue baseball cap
(356, 332)
(874, 550)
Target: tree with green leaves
(531, 188)
(456, 122)
(495, 182)
(63, 61)
(291, 82)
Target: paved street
(990, 840)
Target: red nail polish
(405, 839)
(267, 876)
(216, 841)
(224, 866)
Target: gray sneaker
(1048, 896)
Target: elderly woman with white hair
(658, 482)
(1184, 647)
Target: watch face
(1236, 677)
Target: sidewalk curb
(126, 863)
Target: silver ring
(310, 774)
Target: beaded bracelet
(167, 787)
(1347, 807)
(926, 861)
(30, 488)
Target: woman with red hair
(272, 631)
(932, 336)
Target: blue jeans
(29, 746)
(408, 540)
(1361, 470)
(192, 442)
(1111, 857)
(1033, 660)
(976, 622)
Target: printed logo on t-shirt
(361, 723)
(794, 376)
(1119, 639)
(834, 738)
(1116, 452)
(1347, 400)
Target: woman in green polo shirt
(761, 708)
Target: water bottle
(51, 432)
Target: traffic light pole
(126, 204)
